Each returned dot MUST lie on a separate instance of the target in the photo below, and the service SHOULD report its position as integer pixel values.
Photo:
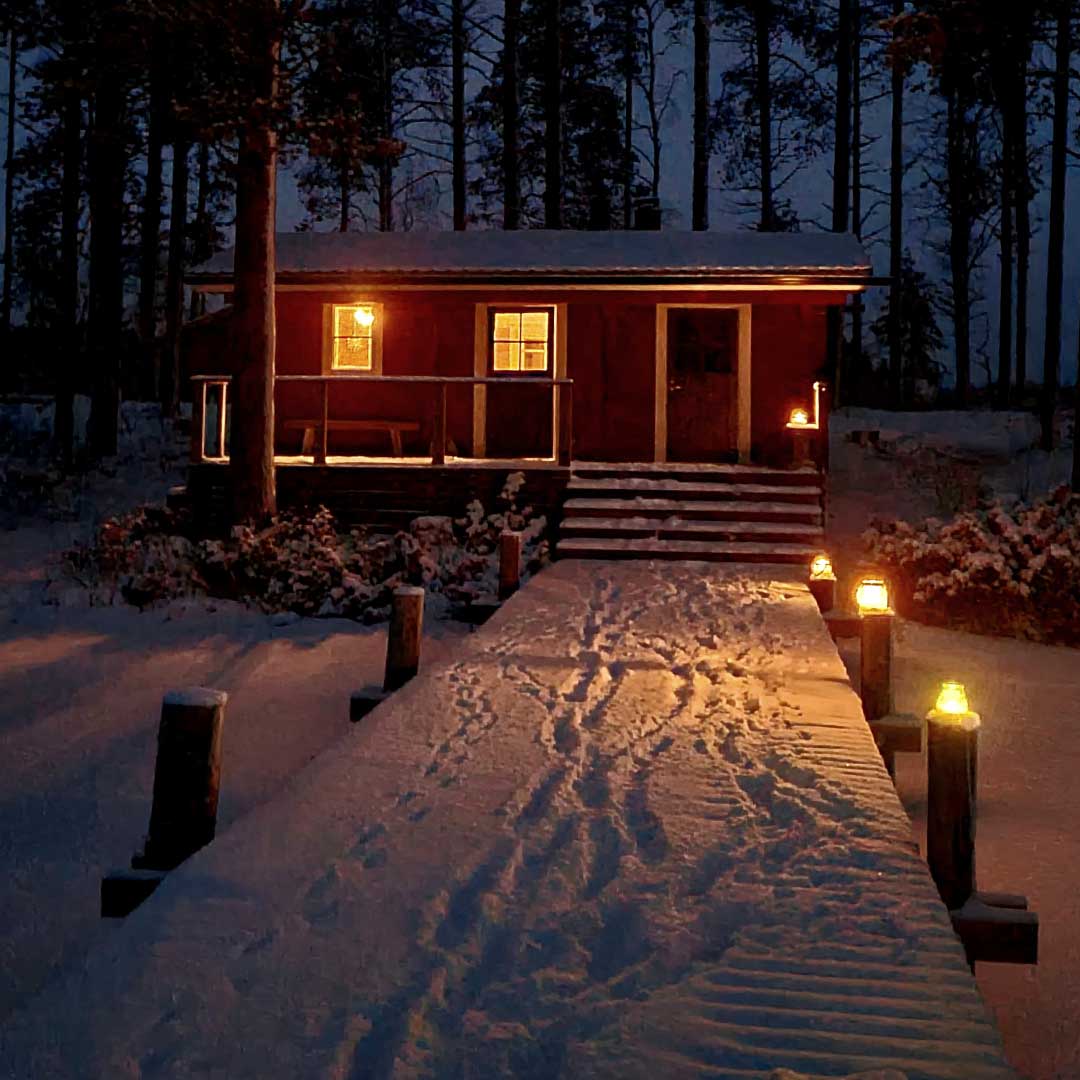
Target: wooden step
(677, 529)
(688, 550)
(636, 487)
(695, 510)
(707, 473)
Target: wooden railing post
(565, 446)
(438, 441)
(221, 419)
(198, 424)
(324, 427)
(509, 564)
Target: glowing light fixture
(821, 568)
(952, 699)
(800, 417)
(872, 596)
(365, 316)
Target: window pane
(506, 356)
(345, 323)
(535, 357)
(534, 325)
(507, 326)
(352, 352)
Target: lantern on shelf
(872, 596)
(799, 418)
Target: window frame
(515, 309)
(329, 338)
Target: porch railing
(561, 395)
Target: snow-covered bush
(1005, 570)
(303, 564)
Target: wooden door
(702, 372)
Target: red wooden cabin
(476, 349)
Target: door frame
(660, 420)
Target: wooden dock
(636, 828)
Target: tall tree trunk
(628, 113)
(174, 279)
(553, 114)
(200, 230)
(9, 183)
(702, 101)
(1005, 293)
(386, 120)
(856, 174)
(900, 388)
(841, 193)
(70, 189)
(511, 116)
(763, 81)
(344, 198)
(251, 447)
(1056, 238)
(1022, 189)
(150, 228)
(457, 109)
(106, 311)
(958, 158)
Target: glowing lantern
(365, 316)
(952, 699)
(872, 596)
(821, 568)
(799, 418)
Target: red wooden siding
(611, 353)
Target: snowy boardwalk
(635, 828)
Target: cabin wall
(611, 356)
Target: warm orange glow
(952, 699)
(364, 317)
(799, 418)
(872, 596)
(821, 568)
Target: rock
(284, 618)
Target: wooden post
(187, 778)
(952, 761)
(509, 564)
(800, 447)
(221, 420)
(403, 640)
(324, 427)
(565, 447)
(875, 668)
(438, 441)
(198, 424)
(823, 590)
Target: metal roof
(550, 255)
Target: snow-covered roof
(551, 255)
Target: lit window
(520, 341)
(354, 337)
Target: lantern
(952, 699)
(821, 568)
(872, 596)
(799, 418)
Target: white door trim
(660, 431)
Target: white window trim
(376, 339)
(660, 424)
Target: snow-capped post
(952, 766)
(823, 582)
(403, 640)
(509, 564)
(187, 778)
(875, 667)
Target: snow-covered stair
(715, 513)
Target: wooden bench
(393, 427)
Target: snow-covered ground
(633, 827)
